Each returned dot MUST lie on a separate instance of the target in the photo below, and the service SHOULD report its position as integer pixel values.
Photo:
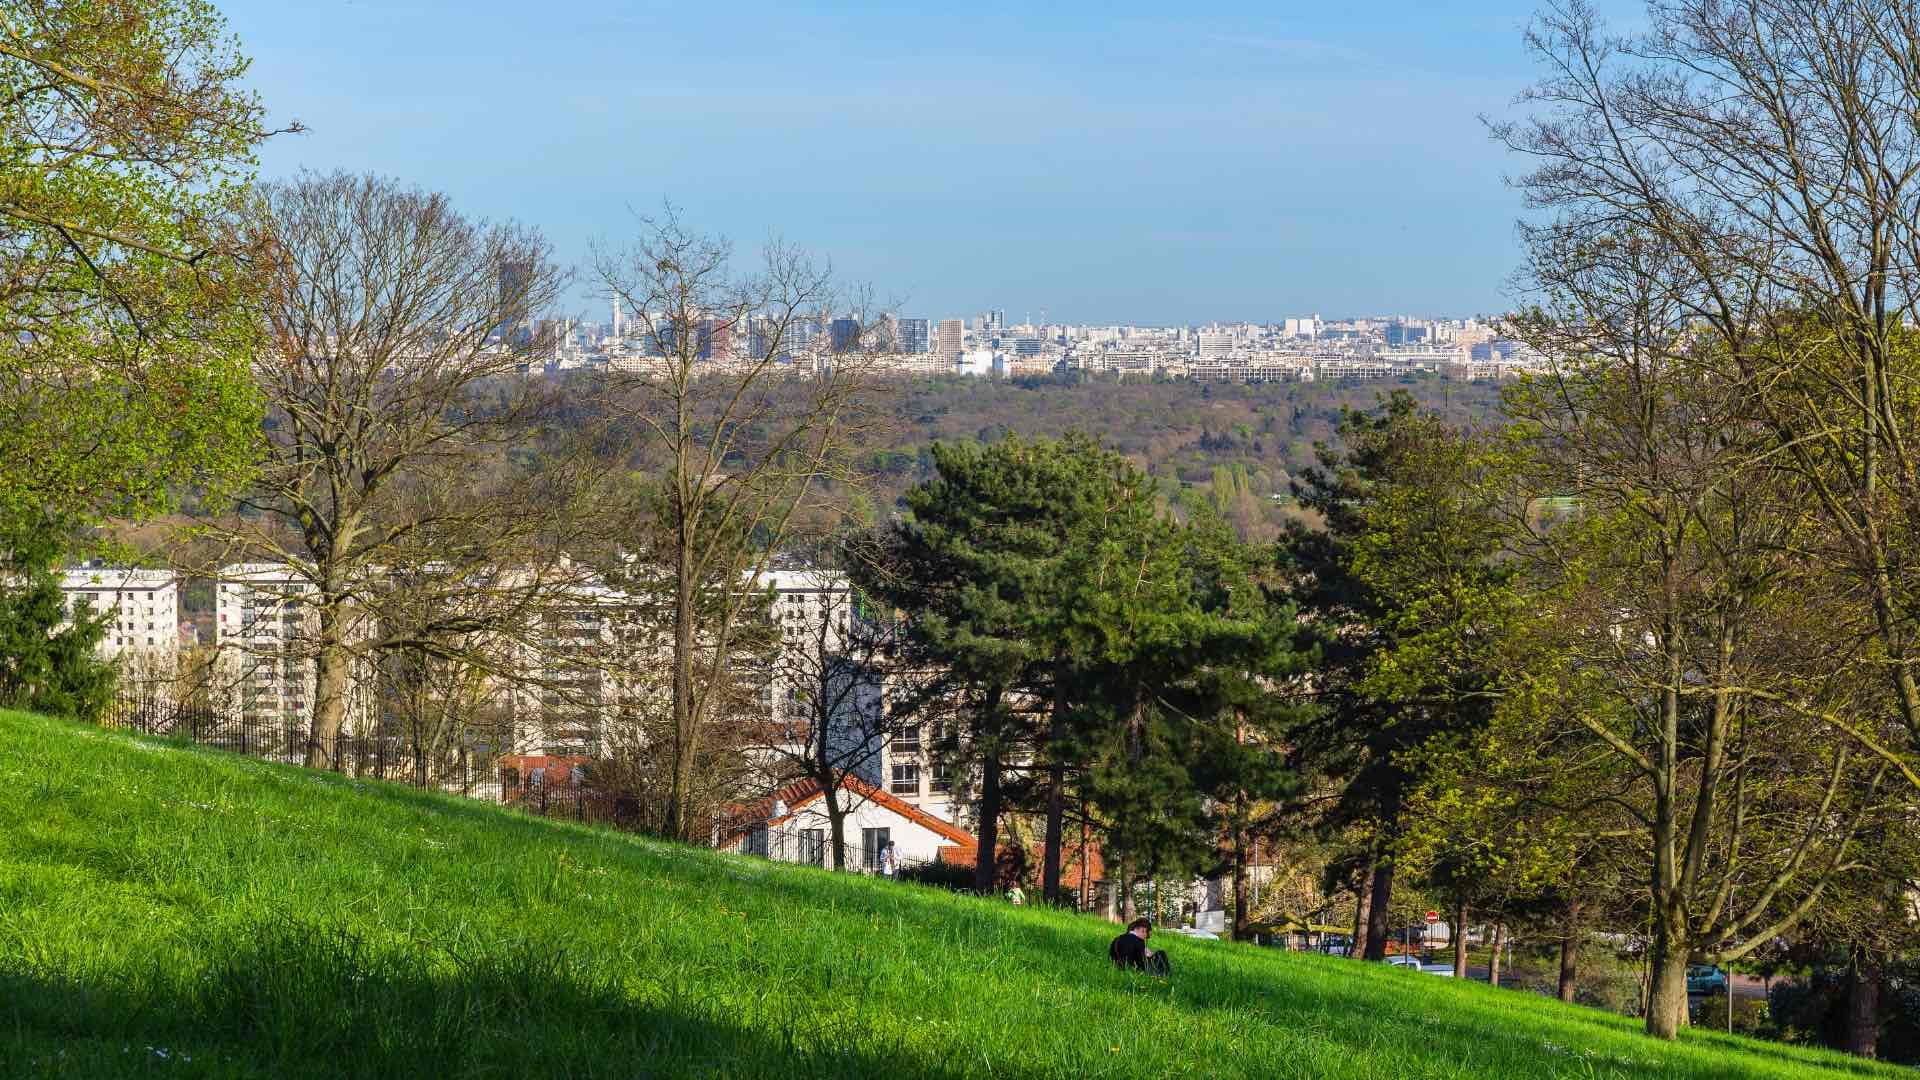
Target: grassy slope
(172, 911)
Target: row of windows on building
(813, 846)
(905, 779)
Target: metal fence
(543, 785)
(389, 756)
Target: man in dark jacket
(1129, 951)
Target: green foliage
(127, 318)
(48, 661)
(1045, 571)
(177, 912)
(1362, 578)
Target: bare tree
(1681, 620)
(1768, 148)
(740, 401)
(400, 483)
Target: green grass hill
(172, 911)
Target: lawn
(171, 911)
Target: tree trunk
(1493, 960)
(1460, 938)
(1570, 952)
(988, 842)
(1086, 865)
(1863, 1005)
(1056, 796)
(1241, 922)
(330, 671)
(987, 827)
(836, 827)
(1362, 908)
(1379, 913)
(684, 732)
(1667, 991)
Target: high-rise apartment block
(1213, 344)
(144, 605)
(843, 335)
(915, 336)
(952, 338)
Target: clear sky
(1101, 160)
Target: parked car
(1413, 963)
(1706, 979)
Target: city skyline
(1109, 166)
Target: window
(942, 778)
(813, 847)
(908, 740)
(906, 778)
(872, 842)
(757, 841)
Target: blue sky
(1105, 162)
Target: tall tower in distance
(950, 337)
(916, 336)
(619, 328)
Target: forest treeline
(1239, 445)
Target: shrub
(940, 875)
(1751, 1016)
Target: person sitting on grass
(1129, 951)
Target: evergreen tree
(1391, 583)
(48, 661)
(977, 566)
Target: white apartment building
(816, 610)
(264, 632)
(145, 608)
(263, 626)
(580, 683)
(1213, 344)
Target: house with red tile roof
(792, 826)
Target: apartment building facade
(144, 606)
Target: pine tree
(48, 661)
(977, 568)
(1367, 580)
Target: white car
(1412, 963)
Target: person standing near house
(1015, 896)
(889, 862)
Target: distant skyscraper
(1406, 333)
(996, 320)
(915, 336)
(715, 338)
(952, 338)
(619, 324)
(843, 335)
(516, 279)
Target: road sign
(1432, 917)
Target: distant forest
(1234, 445)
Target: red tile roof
(1036, 857)
(799, 794)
